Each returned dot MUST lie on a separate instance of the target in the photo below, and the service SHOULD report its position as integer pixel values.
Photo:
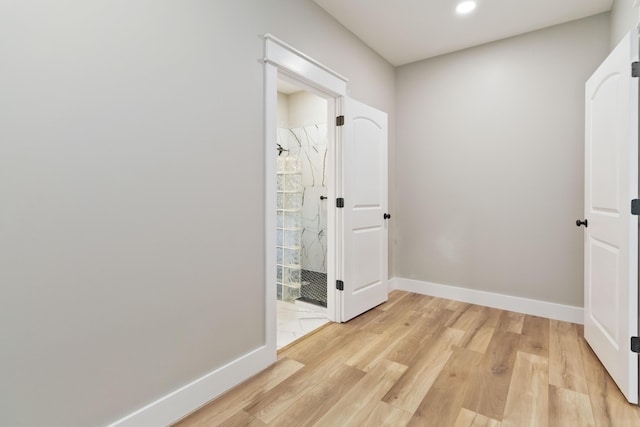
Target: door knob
(386, 216)
(579, 223)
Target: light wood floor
(422, 361)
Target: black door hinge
(340, 202)
(340, 121)
(635, 207)
(635, 69)
(635, 344)
(340, 285)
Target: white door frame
(281, 60)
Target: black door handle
(579, 223)
(386, 216)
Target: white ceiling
(404, 31)
(288, 88)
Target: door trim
(296, 64)
(281, 59)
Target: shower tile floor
(314, 287)
(298, 319)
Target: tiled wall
(309, 146)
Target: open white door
(364, 184)
(611, 234)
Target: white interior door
(611, 235)
(364, 184)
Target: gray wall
(131, 181)
(624, 18)
(490, 163)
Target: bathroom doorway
(356, 225)
(302, 198)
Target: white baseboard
(187, 399)
(533, 307)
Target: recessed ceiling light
(465, 7)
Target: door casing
(285, 62)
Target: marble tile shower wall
(309, 145)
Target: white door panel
(611, 238)
(364, 165)
(605, 190)
(605, 302)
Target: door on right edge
(611, 235)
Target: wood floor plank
(461, 315)
(479, 339)
(234, 400)
(442, 404)
(385, 415)
(493, 316)
(511, 321)
(427, 326)
(380, 323)
(313, 402)
(426, 305)
(284, 395)
(467, 318)
(341, 348)
(568, 408)
(434, 309)
(367, 356)
(359, 323)
(393, 298)
(455, 305)
(479, 328)
(242, 419)
(305, 350)
(490, 383)
(468, 418)
(610, 408)
(433, 305)
(357, 404)
(412, 301)
(527, 401)
(401, 312)
(535, 336)
(566, 369)
(407, 393)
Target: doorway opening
(283, 62)
(301, 211)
